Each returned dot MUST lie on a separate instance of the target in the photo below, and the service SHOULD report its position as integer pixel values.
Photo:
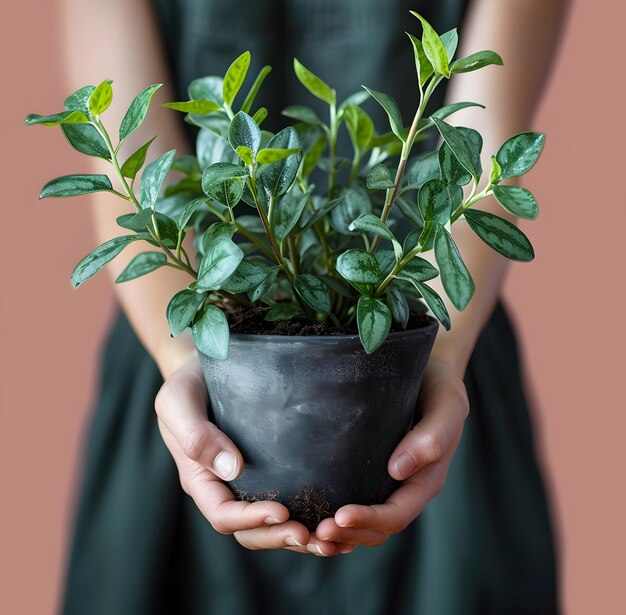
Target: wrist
(452, 351)
(174, 353)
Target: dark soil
(252, 321)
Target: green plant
(305, 254)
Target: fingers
(181, 406)
(445, 408)
(215, 500)
(328, 530)
(404, 505)
(290, 534)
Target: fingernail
(225, 465)
(315, 549)
(272, 521)
(348, 549)
(345, 523)
(405, 465)
(292, 542)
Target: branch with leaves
(264, 236)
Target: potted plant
(307, 303)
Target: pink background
(569, 305)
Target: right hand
(205, 457)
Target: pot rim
(324, 339)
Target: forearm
(119, 40)
(525, 33)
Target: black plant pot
(316, 418)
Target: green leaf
(450, 42)
(212, 148)
(460, 147)
(86, 139)
(369, 223)
(379, 178)
(496, 171)
(302, 114)
(260, 116)
(313, 156)
(153, 178)
(220, 172)
(137, 111)
(519, 153)
(448, 110)
(418, 270)
(398, 305)
(360, 267)
(207, 88)
(137, 221)
(244, 132)
(427, 236)
(374, 322)
(210, 332)
(79, 100)
(314, 293)
(410, 211)
(264, 287)
(452, 172)
(234, 78)
(277, 178)
(422, 63)
(93, 262)
(247, 276)
(500, 235)
(269, 155)
(391, 108)
(475, 61)
(435, 303)
(517, 201)
(286, 213)
(221, 259)
(320, 213)
(246, 154)
(228, 193)
(314, 84)
(66, 117)
(254, 90)
(284, 311)
(354, 203)
(136, 160)
(75, 185)
(197, 107)
(423, 168)
(189, 210)
(360, 126)
(168, 230)
(434, 202)
(182, 308)
(434, 48)
(455, 277)
(100, 99)
(142, 264)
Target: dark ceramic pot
(316, 418)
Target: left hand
(421, 461)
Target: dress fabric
(140, 546)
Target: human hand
(421, 461)
(205, 457)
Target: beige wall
(569, 305)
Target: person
(140, 545)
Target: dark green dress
(140, 547)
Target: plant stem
(332, 145)
(392, 193)
(131, 196)
(268, 231)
